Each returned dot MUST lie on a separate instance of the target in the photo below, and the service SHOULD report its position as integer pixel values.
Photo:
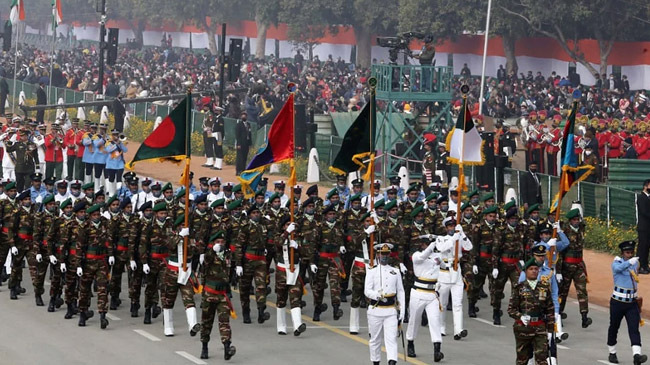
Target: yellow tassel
(304, 290)
(641, 322)
(587, 277)
(233, 314)
(554, 327)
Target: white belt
(624, 296)
(431, 286)
(285, 266)
(172, 263)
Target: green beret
(236, 188)
(380, 203)
(48, 198)
(218, 234)
(66, 202)
(472, 193)
(465, 206)
(167, 186)
(274, 196)
(11, 185)
(355, 197)
(94, 208)
(432, 196)
(180, 193)
(111, 199)
(412, 188)
(487, 197)
(416, 211)
(88, 186)
(160, 207)
(331, 193)
(509, 205)
(260, 192)
(573, 213)
(180, 219)
(217, 203)
(234, 204)
(492, 209)
(531, 262)
(533, 208)
(363, 217)
(391, 204)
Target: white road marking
(563, 347)
(190, 357)
(147, 335)
(112, 317)
(488, 322)
(604, 362)
(47, 283)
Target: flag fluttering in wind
(17, 11)
(358, 144)
(464, 143)
(571, 173)
(279, 147)
(57, 14)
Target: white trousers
(9, 172)
(419, 303)
(457, 306)
(388, 325)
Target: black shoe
(21, 290)
(640, 359)
(262, 315)
(449, 306)
(113, 305)
(228, 350)
(425, 320)
(195, 329)
(463, 333)
(70, 312)
(323, 307)
(457, 337)
(82, 319)
(344, 298)
(564, 337)
(50, 305)
(613, 359)
(437, 355)
(204, 350)
(496, 316)
(156, 311)
(410, 349)
(147, 316)
(482, 294)
(392, 362)
(316, 317)
(303, 304)
(586, 321)
(75, 308)
(246, 313)
(58, 301)
(90, 314)
(338, 312)
(134, 309)
(644, 271)
(406, 317)
(376, 362)
(103, 320)
(563, 315)
(39, 301)
(471, 311)
(302, 328)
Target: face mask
(474, 201)
(276, 206)
(587, 153)
(451, 231)
(332, 219)
(68, 214)
(81, 218)
(161, 220)
(432, 206)
(218, 214)
(27, 204)
(381, 213)
(148, 215)
(575, 225)
(419, 220)
(545, 239)
(75, 193)
(413, 200)
(533, 170)
(51, 209)
(255, 218)
(383, 259)
(393, 215)
(96, 220)
(156, 193)
(512, 224)
(11, 195)
(309, 211)
(444, 208)
(236, 214)
(534, 217)
(468, 215)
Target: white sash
(183, 276)
(291, 276)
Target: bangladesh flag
(171, 140)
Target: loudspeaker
(111, 53)
(6, 37)
(301, 127)
(234, 59)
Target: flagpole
(372, 82)
(485, 47)
(13, 105)
(49, 90)
(188, 159)
(292, 174)
(461, 172)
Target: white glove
(370, 229)
(239, 271)
(431, 236)
(525, 319)
(291, 228)
(14, 250)
(343, 250)
(201, 258)
(133, 265)
(374, 216)
(268, 217)
(522, 263)
(53, 260)
(402, 268)
(39, 257)
(401, 316)
(111, 260)
(146, 269)
(39, 199)
(557, 227)
(459, 228)
(293, 244)
(495, 273)
(552, 242)
(185, 231)
(475, 269)
(313, 268)
(63, 268)
(558, 277)
(80, 272)
(438, 286)
(633, 261)
(549, 336)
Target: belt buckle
(534, 319)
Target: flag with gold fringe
(464, 143)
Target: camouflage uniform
(43, 222)
(573, 268)
(120, 227)
(486, 238)
(392, 231)
(54, 238)
(469, 257)
(22, 237)
(68, 255)
(215, 298)
(538, 304)
(7, 210)
(531, 236)
(282, 290)
(405, 209)
(233, 226)
(358, 271)
(250, 254)
(170, 276)
(506, 254)
(434, 219)
(138, 227)
(153, 251)
(307, 227)
(93, 248)
(352, 225)
(326, 257)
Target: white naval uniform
(452, 280)
(212, 197)
(387, 281)
(140, 198)
(8, 165)
(365, 200)
(424, 297)
(60, 198)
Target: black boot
(204, 350)
(640, 359)
(376, 362)
(39, 300)
(302, 328)
(437, 355)
(113, 305)
(228, 350)
(410, 349)
(344, 298)
(392, 362)
(613, 359)
(82, 319)
(90, 314)
(50, 305)
(471, 311)
(58, 301)
(316, 317)
(496, 316)
(13, 294)
(586, 321)
(147, 315)
(75, 308)
(21, 290)
(246, 313)
(103, 321)
(338, 312)
(155, 312)
(134, 309)
(262, 315)
(70, 312)
(482, 294)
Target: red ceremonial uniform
(615, 144)
(641, 146)
(53, 150)
(69, 141)
(557, 137)
(602, 138)
(78, 139)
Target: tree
(266, 14)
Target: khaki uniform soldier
(172, 284)
(92, 249)
(215, 294)
(168, 196)
(250, 258)
(469, 221)
(288, 285)
(235, 222)
(199, 221)
(8, 208)
(138, 228)
(486, 236)
(431, 212)
(573, 266)
(153, 253)
(531, 306)
(312, 192)
(507, 258)
(43, 223)
(474, 202)
(330, 243)
(443, 208)
(179, 207)
(360, 248)
(411, 202)
(273, 214)
(351, 227)
(391, 230)
(68, 256)
(307, 227)
(23, 246)
(53, 237)
(119, 232)
(531, 230)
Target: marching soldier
(92, 249)
(43, 221)
(54, 239)
(139, 226)
(342, 189)
(391, 230)
(233, 226)
(531, 229)
(474, 202)
(383, 286)
(469, 221)
(215, 297)
(37, 191)
(486, 236)
(61, 191)
(625, 303)
(22, 244)
(360, 248)
(312, 192)
(307, 228)
(351, 227)
(119, 233)
(68, 258)
(411, 203)
(531, 306)
(273, 214)
(8, 208)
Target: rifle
(400, 333)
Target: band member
(79, 165)
(71, 148)
(553, 141)
(115, 147)
(54, 144)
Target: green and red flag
(17, 11)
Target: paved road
(31, 335)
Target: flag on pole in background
(57, 14)
(17, 11)
(464, 143)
